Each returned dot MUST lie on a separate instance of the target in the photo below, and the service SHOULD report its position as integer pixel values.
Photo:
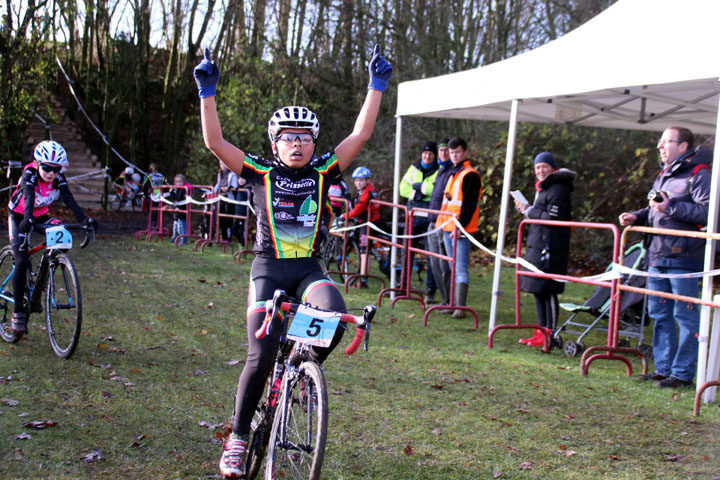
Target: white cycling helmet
(129, 171)
(49, 151)
(293, 117)
(362, 172)
(136, 177)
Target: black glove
(26, 225)
(91, 222)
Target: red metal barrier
(612, 347)
(346, 238)
(612, 285)
(377, 240)
(216, 216)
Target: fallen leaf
(570, 453)
(200, 372)
(437, 431)
(436, 387)
(526, 465)
(16, 454)
(233, 362)
(614, 457)
(107, 395)
(92, 456)
(209, 425)
(23, 436)
(10, 402)
(408, 450)
(40, 425)
(23, 414)
(674, 458)
(497, 474)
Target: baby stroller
(633, 310)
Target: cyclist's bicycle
(290, 423)
(57, 278)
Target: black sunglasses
(51, 168)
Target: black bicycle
(340, 255)
(290, 423)
(56, 278)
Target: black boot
(461, 292)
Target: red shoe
(534, 337)
(538, 339)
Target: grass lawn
(164, 340)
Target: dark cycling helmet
(362, 172)
(293, 117)
(49, 151)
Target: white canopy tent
(640, 64)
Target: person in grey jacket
(679, 200)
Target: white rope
(82, 110)
(212, 201)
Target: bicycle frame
(36, 281)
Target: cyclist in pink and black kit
(289, 194)
(42, 183)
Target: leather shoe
(672, 382)
(655, 377)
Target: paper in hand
(517, 195)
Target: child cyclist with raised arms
(290, 191)
(42, 182)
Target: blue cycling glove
(206, 76)
(380, 71)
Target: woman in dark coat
(547, 247)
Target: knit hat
(430, 146)
(546, 157)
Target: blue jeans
(675, 350)
(439, 268)
(463, 255)
(179, 230)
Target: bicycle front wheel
(7, 268)
(63, 306)
(299, 432)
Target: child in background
(363, 212)
(178, 195)
(151, 187)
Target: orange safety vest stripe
(453, 188)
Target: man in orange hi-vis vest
(461, 196)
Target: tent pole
(707, 372)
(396, 201)
(509, 156)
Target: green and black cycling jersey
(288, 204)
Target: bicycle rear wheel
(63, 306)
(336, 266)
(7, 267)
(299, 432)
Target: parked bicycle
(290, 423)
(56, 278)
